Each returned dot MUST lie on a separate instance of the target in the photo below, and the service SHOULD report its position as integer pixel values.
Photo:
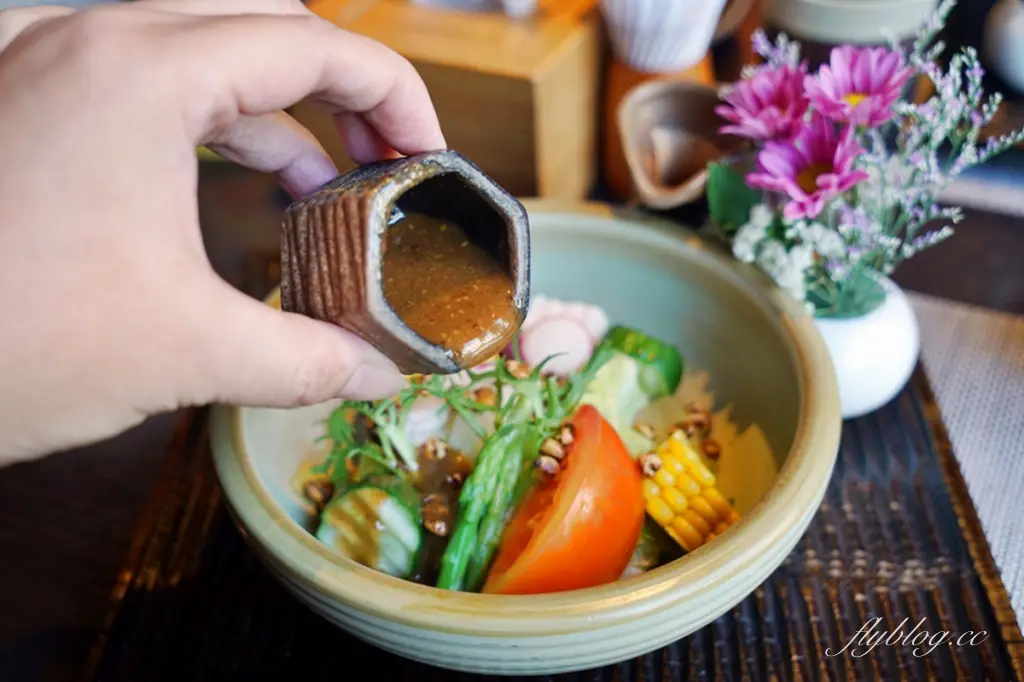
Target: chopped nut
(697, 413)
(486, 396)
(318, 492)
(650, 463)
(712, 450)
(697, 420)
(552, 448)
(434, 448)
(517, 369)
(547, 464)
(436, 515)
(438, 527)
(644, 429)
(567, 435)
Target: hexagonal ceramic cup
(332, 248)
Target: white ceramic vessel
(847, 21)
(661, 36)
(874, 355)
(519, 9)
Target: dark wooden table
(67, 521)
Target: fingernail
(372, 382)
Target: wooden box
(519, 98)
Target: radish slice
(428, 418)
(568, 331)
(566, 339)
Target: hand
(111, 310)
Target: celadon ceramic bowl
(764, 357)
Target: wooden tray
(897, 538)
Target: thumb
(255, 355)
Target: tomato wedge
(580, 528)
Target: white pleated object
(661, 36)
(519, 9)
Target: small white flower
(779, 264)
(773, 259)
(823, 240)
(747, 241)
(761, 216)
(801, 257)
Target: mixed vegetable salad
(531, 473)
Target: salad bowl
(746, 344)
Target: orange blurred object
(518, 97)
(580, 528)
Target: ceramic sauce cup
(425, 257)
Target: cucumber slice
(373, 526)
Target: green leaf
(729, 197)
(857, 295)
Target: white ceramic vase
(875, 354)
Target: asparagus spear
(477, 492)
(534, 412)
(514, 479)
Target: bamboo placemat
(897, 538)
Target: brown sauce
(448, 289)
(439, 481)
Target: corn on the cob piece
(682, 498)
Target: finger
(261, 64)
(277, 143)
(362, 141)
(256, 355)
(14, 22)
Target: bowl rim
(789, 503)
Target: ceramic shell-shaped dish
(332, 247)
(669, 132)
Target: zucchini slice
(373, 526)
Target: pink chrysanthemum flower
(859, 85)
(768, 106)
(814, 168)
